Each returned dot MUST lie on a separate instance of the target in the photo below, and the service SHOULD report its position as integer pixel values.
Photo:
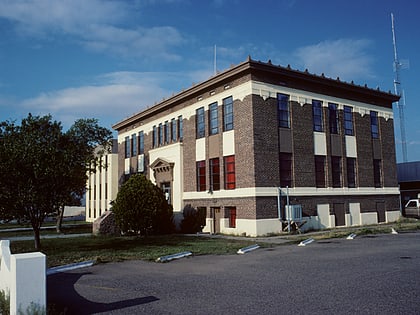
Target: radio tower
(398, 91)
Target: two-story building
(256, 137)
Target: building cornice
(283, 76)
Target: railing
(23, 278)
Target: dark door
(340, 214)
(380, 210)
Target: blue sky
(110, 59)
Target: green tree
(141, 208)
(42, 168)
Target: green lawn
(112, 249)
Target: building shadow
(62, 298)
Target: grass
(47, 230)
(114, 249)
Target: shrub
(4, 303)
(193, 220)
(141, 208)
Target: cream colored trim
(229, 143)
(200, 149)
(351, 147)
(320, 143)
(295, 192)
(266, 90)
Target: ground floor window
(231, 213)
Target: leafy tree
(141, 208)
(42, 168)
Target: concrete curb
(306, 242)
(173, 256)
(54, 270)
(351, 236)
(247, 249)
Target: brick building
(254, 138)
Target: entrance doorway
(340, 214)
(216, 215)
(166, 187)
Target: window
(201, 175)
(231, 213)
(127, 147)
(320, 171)
(173, 130)
(180, 128)
(348, 121)
(141, 142)
(374, 124)
(213, 119)
(285, 169)
(160, 134)
(228, 114)
(199, 123)
(214, 174)
(134, 145)
(317, 115)
(229, 163)
(377, 173)
(167, 132)
(336, 171)
(351, 172)
(155, 137)
(283, 109)
(333, 118)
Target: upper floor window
(317, 115)
(374, 128)
(214, 174)
(201, 175)
(199, 123)
(213, 119)
(348, 121)
(167, 132)
(333, 118)
(134, 145)
(160, 134)
(173, 130)
(141, 142)
(155, 137)
(180, 128)
(228, 113)
(229, 163)
(283, 108)
(127, 147)
(320, 171)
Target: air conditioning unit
(293, 213)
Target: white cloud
(110, 98)
(95, 24)
(347, 59)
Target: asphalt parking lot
(377, 274)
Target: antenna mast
(398, 91)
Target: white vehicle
(412, 208)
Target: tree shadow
(62, 298)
